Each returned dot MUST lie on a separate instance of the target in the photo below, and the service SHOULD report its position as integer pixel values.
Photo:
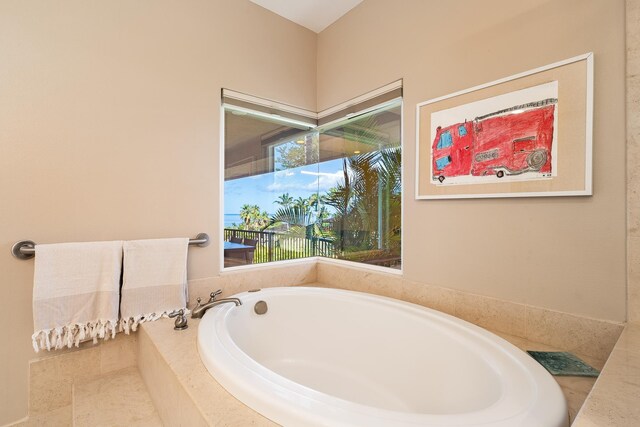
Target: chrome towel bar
(26, 249)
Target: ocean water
(230, 219)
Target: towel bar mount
(26, 249)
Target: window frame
(284, 107)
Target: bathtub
(327, 357)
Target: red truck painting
(508, 142)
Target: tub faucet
(199, 310)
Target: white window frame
(316, 116)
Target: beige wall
(565, 254)
(109, 129)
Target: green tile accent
(563, 364)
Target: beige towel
(154, 282)
(75, 293)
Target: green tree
(298, 217)
(370, 186)
(253, 218)
(300, 202)
(303, 224)
(284, 200)
(299, 152)
(290, 156)
(313, 201)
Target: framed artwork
(527, 135)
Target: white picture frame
(474, 164)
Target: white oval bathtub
(326, 357)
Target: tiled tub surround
(380, 354)
(524, 326)
(580, 335)
(614, 398)
(633, 159)
(257, 276)
(180, 386)
(183, 390)
(53, 375)
(117, 399)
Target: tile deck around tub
(615, 398)
(117, 399)
(212, 400)
(575, 389)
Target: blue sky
(263, 190)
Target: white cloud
(320, 173)
(286, 186)
(322, 181)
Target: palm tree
(284, 200)
(371, 183)
(247, 212)
(313, 200)
(300, 201)
(302, 223)
(389, 165)
(390, 169)
(253, 217)
(297, 217)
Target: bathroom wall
(633, 158)
(109, 129)
(562, 253)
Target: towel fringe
(131, 323)
(73, 333)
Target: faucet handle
(181, 320)
(176, 313)
(214, 294)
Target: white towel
(75, 293)
(154, 281)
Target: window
(295, 190)
(445, 140)
(442, 162)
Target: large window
(294, 190)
